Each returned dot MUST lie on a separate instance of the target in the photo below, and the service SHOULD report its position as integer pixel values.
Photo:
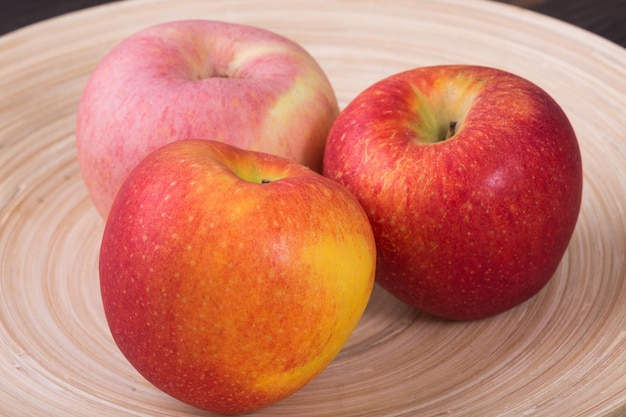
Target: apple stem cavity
(265, 181)
(451, 129)
(445, 133)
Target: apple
(231, 278)
(238, 84)
(472, 179)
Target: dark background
(606, 18)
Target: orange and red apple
(238, 84)
(231, 278)
(472, 180)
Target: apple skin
(227, 293)
(238, 84)
(471, 221)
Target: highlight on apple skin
(232, 278)
(203, 79)
(472, 179)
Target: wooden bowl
(562, 353)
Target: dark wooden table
(606, 18)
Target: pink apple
(472, 180)
(231, 278)
(234, 83)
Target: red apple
(234, 83)
(231, 278)
(472, 180)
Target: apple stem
(451, 129)
(265, 181)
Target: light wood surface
(563, 353)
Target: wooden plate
(563, 353)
